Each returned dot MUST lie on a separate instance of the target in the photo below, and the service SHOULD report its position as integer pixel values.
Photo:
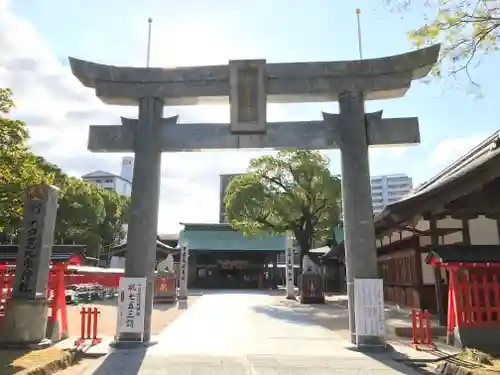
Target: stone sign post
(183, 273)
(290, 286)
(27, 312)
(248, 86)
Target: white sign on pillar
(369, 307)
(290, 287)
(131, 305)
(183, 272)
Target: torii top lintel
(381, 78)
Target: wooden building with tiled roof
(221, 257)
(461, 206)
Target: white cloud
(451, 149)
(442, 155)
(58, 110)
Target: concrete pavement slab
(245, 333)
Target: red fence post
(89, 323)
(451, 321)
(421, 329)
(62, 299)
(53, 291)
(10, 283)
(428, 330)
(89, 326)
(95, 339)
(3, 274)
(414, 329)
(496, 295)
(82, 327)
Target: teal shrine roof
(221, 237)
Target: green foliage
(293, 191)
(86, 215)
(467, 29)
(116, 208)
(6, 102)
(18, 166)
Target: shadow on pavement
(121, 361)
(334, 316)
(330, 316)
(401, 363)
(264, 292)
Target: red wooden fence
(476, 298)
(56, 293)
(6, 281)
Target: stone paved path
(245, 333)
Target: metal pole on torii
(148, 55)
(360, 46)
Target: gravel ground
(163, 315)
(77, 368)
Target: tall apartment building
(120, 183)
(225, 179)
(388, 189)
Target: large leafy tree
(86, 215)
(116, 211)
(467, 29)
(80, 214)
(18, 166)
(293, 191)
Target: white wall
(123, 187)
(483, 231)
(127, 170)
(125, 231)
(117, 262)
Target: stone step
(403, 328)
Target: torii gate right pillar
(359, 231)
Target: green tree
(58, 177)
(18, 166)
(293, 191)
(116, 210)
(80, 214)
(86, 215)
(466, 29)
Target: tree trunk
(304, 242)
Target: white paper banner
(131, 305)
(369, 307)
(290, 287)
(183, 272)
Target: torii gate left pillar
(142, 234)
(146, 180)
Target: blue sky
(201, 32)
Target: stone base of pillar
(54, 331)
(292, 297)
(369, 344)
(313, 300)
(129, 344)
(25, 324)
(129, 340)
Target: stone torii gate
(250, 85)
